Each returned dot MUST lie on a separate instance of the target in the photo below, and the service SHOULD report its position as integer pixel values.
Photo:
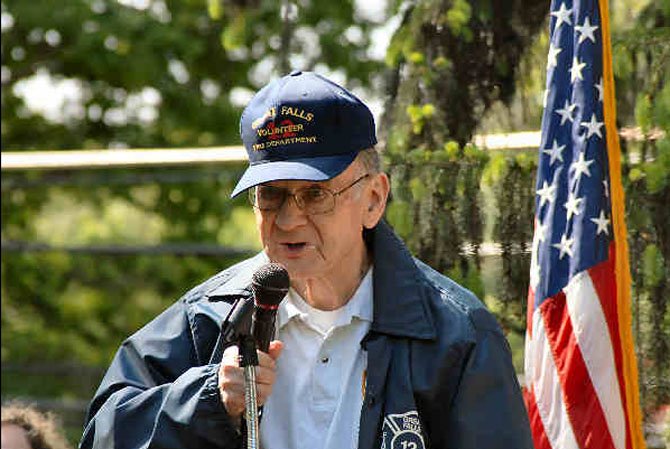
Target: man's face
(313, 246)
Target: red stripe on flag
(586, 415)
(604, 281)
(540, 440)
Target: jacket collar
(401, 306)
(238, 283)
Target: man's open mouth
(295, 246)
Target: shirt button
(325, 359)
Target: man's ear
(378, 192)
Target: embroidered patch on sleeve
(402, 431)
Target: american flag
(580, 368)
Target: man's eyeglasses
(313, 200)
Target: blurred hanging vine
(450, 61)
(510, 177)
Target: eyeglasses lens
(313, 200)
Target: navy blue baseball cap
(302, 127)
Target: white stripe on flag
(528, 361)
(547, 390)
(593, 337)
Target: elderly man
(373, 348)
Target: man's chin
(297, 268)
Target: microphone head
(270, 284)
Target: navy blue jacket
(439, 368)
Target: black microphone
(269, 284)
(238, 321)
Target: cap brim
(307, 169)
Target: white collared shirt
(318, 393)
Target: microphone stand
(249, 361)
(269, 286)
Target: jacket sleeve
(157, 393)
(488, 410)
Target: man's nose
(290, 215)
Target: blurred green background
(90, 255)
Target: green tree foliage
(642, 60)
(124, 60)
(451, 61)
(460, 57)
(174, 53)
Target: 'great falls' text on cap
(302, 126)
